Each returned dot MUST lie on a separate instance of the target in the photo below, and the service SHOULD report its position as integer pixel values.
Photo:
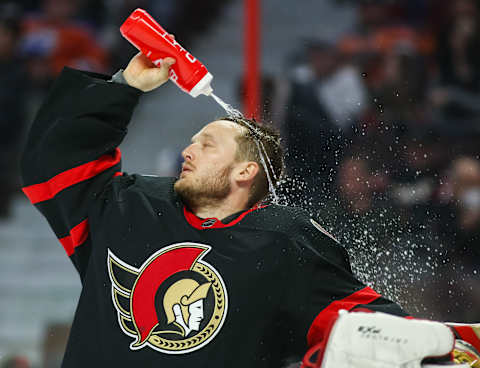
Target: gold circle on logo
(212, 325)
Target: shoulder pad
(153, 186)
(293, 221)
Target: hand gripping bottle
(188, 73)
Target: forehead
(221, 129)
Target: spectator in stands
(401, 88)
(53, 39)
(465, 179)
(326, 97)
(380, 27)
(456, 93)
(366, 221)
(371, 15)
(380, 36)
(12, 104)
(459, 272)
(358, 185)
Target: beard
(205, 190)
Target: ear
(245, 172)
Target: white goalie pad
(379, 340)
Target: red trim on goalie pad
(317, 331)
(319, 348)
(78, 235)
(468, 334)
(49, 189)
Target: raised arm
(71, 152)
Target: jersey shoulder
(149, 185)
(309, 237)
(293, 221)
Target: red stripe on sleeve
(321, 322)
(77, 237)
(48, 189)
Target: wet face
(209, 160)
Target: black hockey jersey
(160, 286)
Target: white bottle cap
(203, 86)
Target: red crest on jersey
(135, 300)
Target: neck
(219, 209)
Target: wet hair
(253, 138)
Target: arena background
(377, 101)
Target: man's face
(209, 161)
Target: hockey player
(193, 271)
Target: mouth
(184, 172)
(186, 168)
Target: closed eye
(208, 143)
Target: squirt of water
(234, 113)
(228, 108)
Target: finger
(146, 60)
(142, 59)
(168, 61)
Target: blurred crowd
(382, 129)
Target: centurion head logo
(174, 303)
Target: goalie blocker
(363, 339)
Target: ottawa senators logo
(174, 303)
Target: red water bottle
(152, 40)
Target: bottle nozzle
(203, 86)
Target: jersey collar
(213, 222)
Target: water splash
(388, 249)
(234, 113)
(270, 181)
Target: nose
(187, 153)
